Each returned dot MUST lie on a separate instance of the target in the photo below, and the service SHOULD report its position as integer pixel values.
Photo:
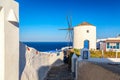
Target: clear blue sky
(41, 19)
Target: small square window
(110, 47)
(87, 31)
(114, 47)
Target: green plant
(106, 54)
(77, 51)
(95, 54)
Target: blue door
(85, 54)
(86, 44)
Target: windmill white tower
(9, 40)
(69, 35)
(85, 36)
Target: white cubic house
(110, 44)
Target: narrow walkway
(59, 73)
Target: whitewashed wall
(74, 59)
(22, 60)
(2, 46)
(9, 40)
(37, 63)
(80, 34)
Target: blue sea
(47, 46)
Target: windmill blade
(66, 37)
(63, 29)
(67, 29)
(70, 28)
(68, 22)
(71, 36)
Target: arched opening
(86, 44)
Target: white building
(113, 44)
(9, 40)
(84, 36)
(110, 44)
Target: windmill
(69, 35)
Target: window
(87, 31)
(108, 45)
(114, 47)
(117, 44)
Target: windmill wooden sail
(69, 35)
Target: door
(85, 54)
(86, 44)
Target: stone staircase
(61, 72)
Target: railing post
(73, 68)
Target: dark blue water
(47, 46)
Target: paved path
(59, 73)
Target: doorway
(86, 44)
(85, 54)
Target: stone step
(59, 73)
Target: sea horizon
(47, 46)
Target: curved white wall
(36, 64)
(80, 34)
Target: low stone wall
(90, 71)
(96, 66)
(105, 60)
(36, 64)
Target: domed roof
(85, 24)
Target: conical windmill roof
(85, 24)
